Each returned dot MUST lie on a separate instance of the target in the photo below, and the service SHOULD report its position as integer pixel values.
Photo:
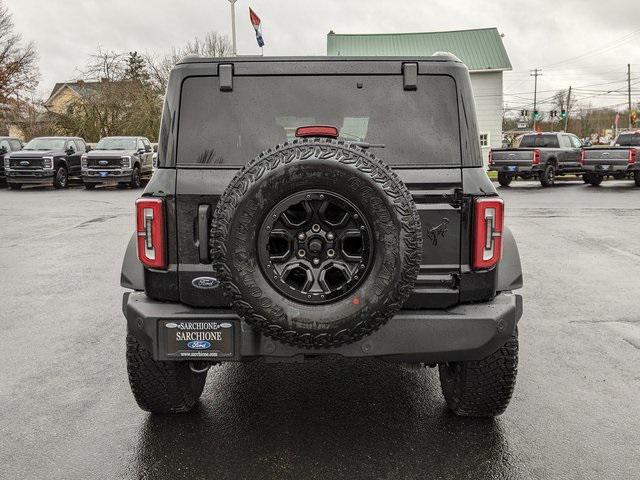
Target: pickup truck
(7, 145)
(539, 155)
(124, 161)
(619, 161)
(308, 207)
(45, 160)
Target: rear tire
(15, 186)
(61, 178)
(504, 179)
(481, 388)
(636, 178)
(593, 179)
(548, 176)
(161, 387)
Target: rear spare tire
(317, 241)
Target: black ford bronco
(124, 161)
(45, 160)
(305, 207)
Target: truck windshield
(230, 128)
(628, 140)
(45, 144)
(115, 143)
(539, 141)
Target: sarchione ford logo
(205, 283)
(198, 345)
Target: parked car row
(546, 156)
(124, 161)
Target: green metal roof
(480, 49)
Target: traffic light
(563, 114)
(536, 115)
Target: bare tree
(106, 64)
(19, 73)
(562, 102)
(211, 45)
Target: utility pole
(535, 73)
(566, 119)
(629, 91)
(233, 26)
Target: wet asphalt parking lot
(67, 411)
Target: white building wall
(487, 90)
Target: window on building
(484, 139)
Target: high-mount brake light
(633, 153)
(150, 232)
(317, 131)
(536, 157)
(487, 232)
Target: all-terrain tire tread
(161, 387)
(481, 388)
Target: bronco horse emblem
(439, 230)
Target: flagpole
(233, 26)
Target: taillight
(536, 157)
(490, 157)
(581, 157)
(487, 232)
(151, 233)
(632, 156)
(317, 131)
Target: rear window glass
(628, 140)
(230, 128)
(541, 141)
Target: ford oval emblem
(103, 162)
(198, 344)
(205, 283)
(24, 163)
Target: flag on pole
(255, 21)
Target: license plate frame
(196, 339)
(104, 174)
(512, 168)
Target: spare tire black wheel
(317, 242)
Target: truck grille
(104, 163)
(25, 163)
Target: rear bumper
(604, 169)
(31, 176)
(94, 176)
(515, 169)
(465, 332)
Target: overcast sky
(597, 38)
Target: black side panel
(509, 268)
(132, 272)
(196, 188)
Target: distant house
(481, 50)
(65, 94)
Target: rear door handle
(204, 219)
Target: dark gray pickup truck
(311, 207)
(618, 161)
(539, 155)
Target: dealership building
(481, 50)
